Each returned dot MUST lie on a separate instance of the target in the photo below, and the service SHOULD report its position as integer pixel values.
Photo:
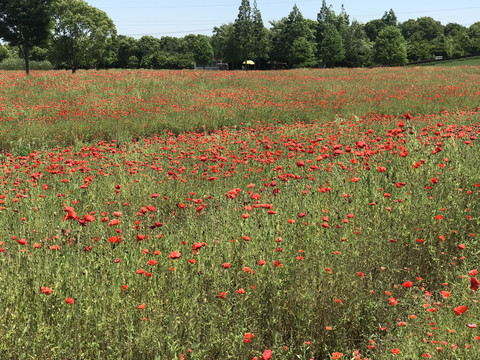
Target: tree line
(71, 34)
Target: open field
(470, 61)
(319, 214)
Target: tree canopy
(25, 23)
(390, 47)
(83, 35)
(202, 50)
(72, 34)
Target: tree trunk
(26, 53)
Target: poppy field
(304, 214)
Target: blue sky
(182, 17)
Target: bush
(19, 64)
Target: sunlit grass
(355, 229)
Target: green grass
(340, 232)
(470, 61)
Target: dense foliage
(85, 37)
(25, 23)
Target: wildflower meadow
(300, 214)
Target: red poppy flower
(89, 218)
(445, 294)
(70, 301)
(174, 255)
(393, 301)
(474, 284)
(114, 222)
(407, 284)
(267, 355)
(459, 310)
(247, 337)
(46, 290)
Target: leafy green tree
(189, 41)
(25, 23)
(39, 53)
(126, 48)
(148, 47)
(389, 18)
(342, 20)
(454, 29)
(290, 35)
(3, 52)
(244, 30)
(425, 38)
(358, 47)
(297, 27)
(325, 17)
(278, 48)
(424, 28)
(474, 35)
(428, 28)
(390, 47)
(225, 45)
(83, 35)
(419, 49)
(373, 28)
(408, 28)
(202, 50)
(302, 53)
(132, 62)
(259, 36)
(173, 45)
(332, 50)
(457, 45)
